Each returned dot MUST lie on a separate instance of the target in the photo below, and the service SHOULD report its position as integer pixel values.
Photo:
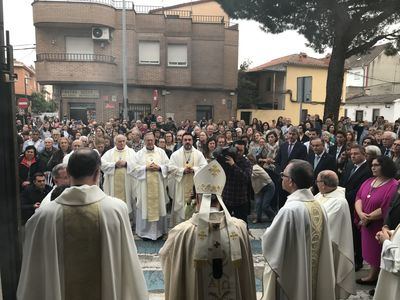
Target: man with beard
(184, 163)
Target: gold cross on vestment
(202, 235)
(233, 235)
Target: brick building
(25, 82)
(181, 60)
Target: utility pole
(10, 246)
(124, 63)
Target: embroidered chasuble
(119, 176)
(188, 185)
(317, 227)
(153, 203)
(82, 252)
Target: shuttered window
(177, 55)
(149, 53)
(304, 89)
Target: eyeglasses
(284, 175)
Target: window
(304, 89)
(359, 115)
(268, 86)
(375, 114)
(357, 75)
(204, 111)
(177, 55)
(136, 111)
(149, 53)
(79, 48)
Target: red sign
(23, 103)
(110, 105)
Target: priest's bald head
(84, 167)
(297, 175)
(327, 181)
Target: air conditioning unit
(101, 33)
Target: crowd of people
(350, 168)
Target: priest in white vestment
(333, 200)
(209, 256)
(183, 165)
(117, 165)
(388, 286)
(76, 144)
(297, 246)
(80, 246)
(151, 169)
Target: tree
(349, 27)
(247, 89)
(40, 105)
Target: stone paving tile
(148, 255)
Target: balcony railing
(111, 3)
(146, 9)
(75, 57)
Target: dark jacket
(46, 155)
(29, 197)
(56, 158)
(26, 173)
(353, 183)
(393, 217)
(299, 151)
(326, 162)
(238, 179)
(333, 150)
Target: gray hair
(374, 150)
(49, 139)
(329, 178)
(293, 129)
(392, 134)
(55, 172)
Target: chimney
(303, 55)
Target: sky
(255, 45)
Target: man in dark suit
(340, 145)
(393, 217)
(291, 149)
(320, 160)
(353, 177)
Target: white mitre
(211, 179)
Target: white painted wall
(355, 77)
(390, 113)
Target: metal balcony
(75, 57)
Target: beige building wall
(292, 108)
(206, 8)
(387, 70)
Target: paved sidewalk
(148, 255)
